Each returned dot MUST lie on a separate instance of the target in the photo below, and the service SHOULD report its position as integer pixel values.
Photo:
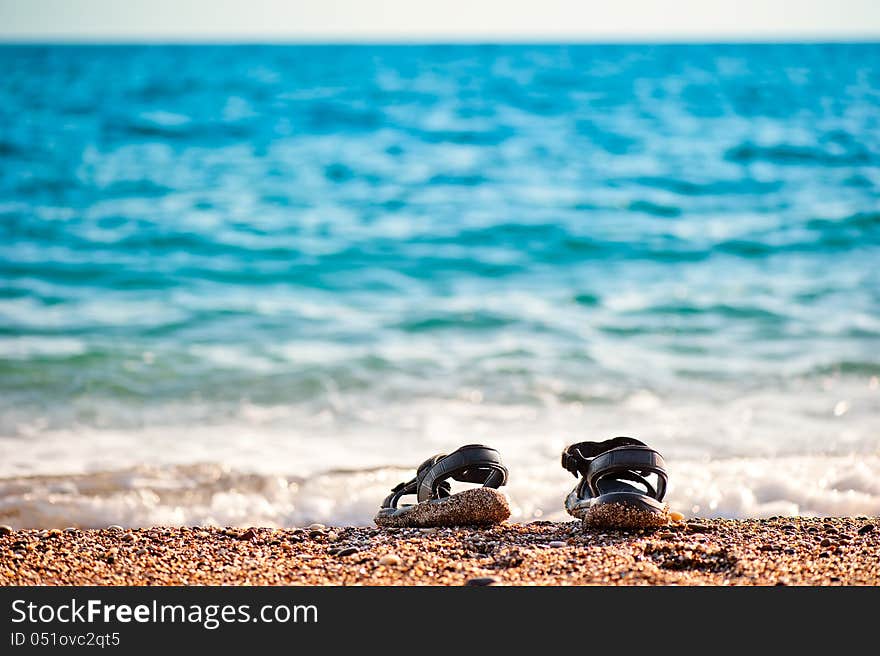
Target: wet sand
(787, 551)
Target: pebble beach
(776, 551)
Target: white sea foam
(210, 494)
(810, 450)
(20, 348)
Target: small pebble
(348, 551)
(332, 537)
(249, 534)
(697, 528)
(483, 580)
(825, 543)
(129, 537)
(867, 528)
(390, 560)
(5, 529)
(316, 527)
(71, 529)
(115, 527)
(676, 516)
(557, 543)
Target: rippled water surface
(226, 272)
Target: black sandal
(615, 490)
(437, 506)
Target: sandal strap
(410, 486)
(577, 457)
(633, 463)
(473, 463)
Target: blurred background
(258, 260)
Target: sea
(258, 285)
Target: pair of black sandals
(622, 484)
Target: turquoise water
(266, 263)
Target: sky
(438, 20)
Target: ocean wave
(859, 222)
(701, 187)
(789, 154)
(654, 209)
(213, 494)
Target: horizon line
(440, 39)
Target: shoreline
(776, 551)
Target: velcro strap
(473, 463)
(577, 457)
(629, 463)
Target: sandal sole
(619, 510)
(476, 507)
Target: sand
(776, 551)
